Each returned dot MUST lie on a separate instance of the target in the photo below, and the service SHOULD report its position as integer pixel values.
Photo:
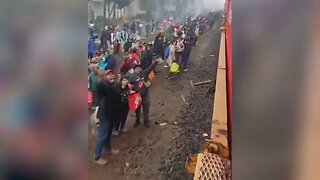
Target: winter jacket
(138, 80)
(110, 62)
(146, 59)
(108, 100)
(125, 67)
(91, 46)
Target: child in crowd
(123, 108)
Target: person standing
(91, 48)
(147, 30)
(179, 50)
(186, 54)
(146, 57)
(126, 66)
(139, 80)
(153, 26)
(159, 45)
(172, 53)
(108, 97)
(93, 83)
(123, 107)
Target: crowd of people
(121, 69)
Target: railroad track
(214, 163)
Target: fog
(214, 5)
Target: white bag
(94, 118)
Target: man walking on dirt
(139, 80)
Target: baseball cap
(109, 71)
(137, 65)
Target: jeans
(121, 119)
(145, 106)
(103, 141)
(185, 59)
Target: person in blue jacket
(91, 48)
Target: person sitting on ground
(140, 81)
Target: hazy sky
(214, 4)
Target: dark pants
(179, 57)
(145, 106)
(185, 59)
(90, 55)
(103, 141)
(121, 119)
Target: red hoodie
(134, 58)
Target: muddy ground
(160, 152)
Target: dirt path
(144, 153)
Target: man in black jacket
(146, 57)
(139, 79)
(109, 99)
(186, 53)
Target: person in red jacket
(126, 66)
(134, 57)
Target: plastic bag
(152, 76)
(90, 98)
(134, 100)
(174, 68)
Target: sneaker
(125, 131)
(116, 133)
(113, 152)
(101, 162)
(186, 70)
(165, 66)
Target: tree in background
(123, 3)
